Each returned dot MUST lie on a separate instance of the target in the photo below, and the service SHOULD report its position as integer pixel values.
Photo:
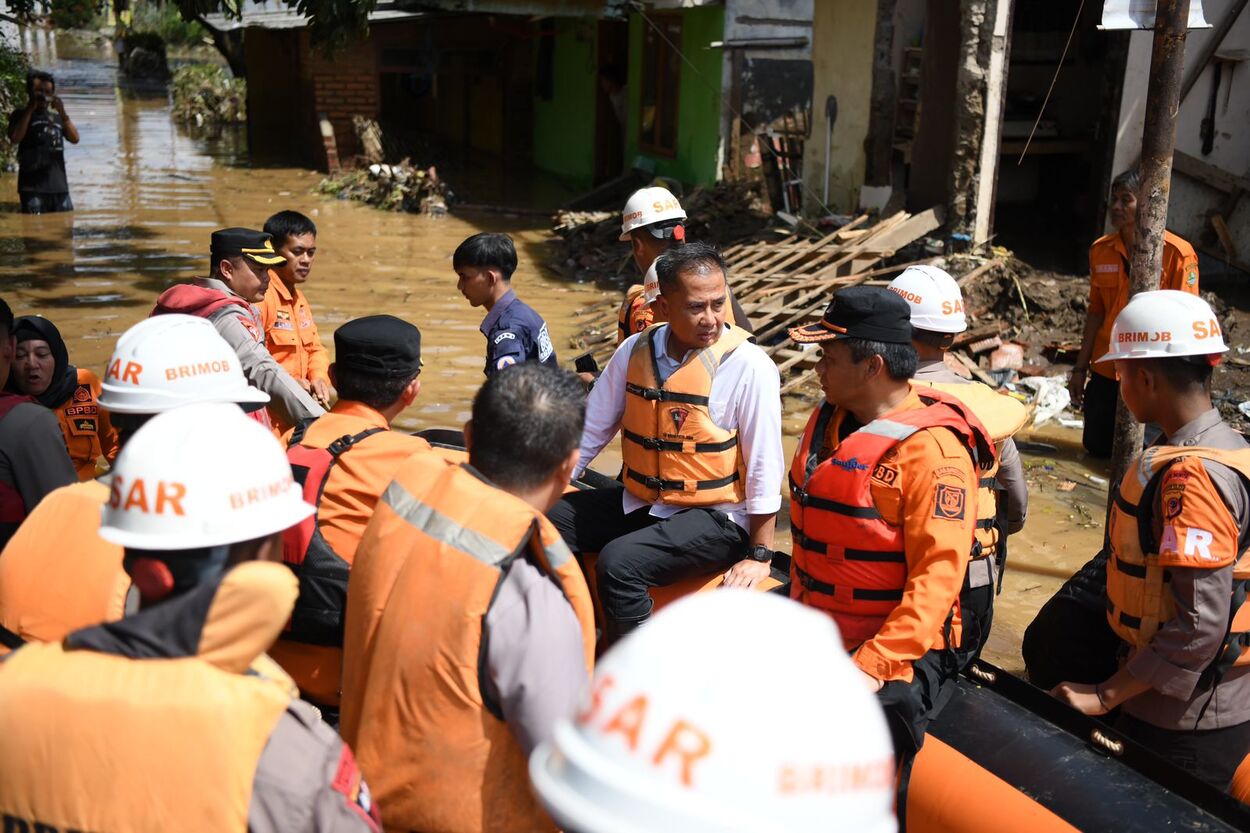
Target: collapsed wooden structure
(789, 283)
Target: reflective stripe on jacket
(437, 750)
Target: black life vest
(322, 572)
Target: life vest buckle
(653, 443)
(653, 394)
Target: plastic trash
(1050, 397)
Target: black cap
(872, 313)
(379, 345)
(245, 242)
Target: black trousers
(1069, 640)
(639, 551)
(33, 203)
(977, 612)
(1101, 396)
(911, 707)
(1210, 754)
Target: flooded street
(148, 195)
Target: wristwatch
(760, 553)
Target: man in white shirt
(699, 408)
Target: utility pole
(1167, 59)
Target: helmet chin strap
(156, 577)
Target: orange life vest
(57, 574)
(847, 560)
(75, 721)
(1139, 600)
(673, 452)
(13, 508)
(437, 752)
(85, 426)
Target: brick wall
(345, 85)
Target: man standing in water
(39, 130)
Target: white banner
(1140, 14)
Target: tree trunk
(879, 144)
(1167, 59)
(229, 43)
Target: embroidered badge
(504, 362)
(678, 416)
(885, 475)
(504, 336)
(82, 394)
(1192, 277)
(545, 348)
(949, 503)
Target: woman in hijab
(41, 370)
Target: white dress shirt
(745, 396)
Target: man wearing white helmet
(652, 222)
(57, 574)
(1179, 529)
(937, 316)
(664, 742)
(184, 725)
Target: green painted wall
(564, 127)
(698, 104)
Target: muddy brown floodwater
(148, 195)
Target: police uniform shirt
(515, 333)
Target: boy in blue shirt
(484, 264)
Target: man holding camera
(40, 131)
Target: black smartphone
(585, 363)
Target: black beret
(379, 345)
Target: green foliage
(75, 14)
(13, 68)
(206, 95)
(168, 23)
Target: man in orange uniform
(1109, 260)
(1176, 576)
(57, 574)
(344, 461)
(290, 330)
(470, 630)
(883, 510)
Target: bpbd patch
(950, 502)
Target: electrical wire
(1076, 22)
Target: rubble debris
(206, 95)
(400, 187)
(586, 247)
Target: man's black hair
(1182, 373)
(487, 250)
(933, 338)
(287, 224)
(527, 418)
(6, 319)
(697, 257)
(38, 75)
(900, 359)
(376, 391)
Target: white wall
(1190, 201)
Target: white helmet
(651, 283)
(936, 303)
(669, 739)
(1164, 324)
(647, 206)
(202, 475)
(171, 360)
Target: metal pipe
(1167, 59)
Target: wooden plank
(1208, 174)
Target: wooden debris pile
(789, 283)
(587, 248)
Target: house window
(661, 79)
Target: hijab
(64, 374)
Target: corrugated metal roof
(274, 14)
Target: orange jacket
(926, 485)
(1108, 284)
(88, 432)
(437, 754)
(291, 333)
(351, 493)
(57, 574)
